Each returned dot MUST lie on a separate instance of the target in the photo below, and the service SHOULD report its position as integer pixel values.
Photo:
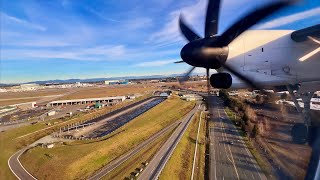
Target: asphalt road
(229, 161)
(156, 165)
(117, 162)
(16, 167)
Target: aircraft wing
(306, 34)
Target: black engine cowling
(221, 80)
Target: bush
(258, 99)
(270, 98)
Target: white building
(105, 100)
(191, 97)
(51, 113)
(111, 82)
(25, 106)
(28, 87)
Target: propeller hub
(200, 53)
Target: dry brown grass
(44, 92)
(180, 163)
(117, 90)
(11, 102)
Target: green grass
(15, 139)
(180, 163)
(10, 143)
(78, 160)
(136, 161)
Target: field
(79, 159)
(12, 141)
(118, 90)
(29, 94)
(180, 163)
(43, 96)
(16, 101)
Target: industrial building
(25, 106)
(29, 87)
(104, 100)
(191, 97)
(114, 82)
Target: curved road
(16, 167)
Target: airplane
(259, 59)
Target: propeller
(211, 52)
(186, 75)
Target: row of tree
(247, 115)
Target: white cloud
(290, 18)
(100, 15)
(170, 33)
(156, 63)
(98, 53)
(22, 22)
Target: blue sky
(62, 39)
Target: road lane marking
(10, 166)
(195, 150)
(246, 148)
(22, 165)
(214, 159)
(233, 163)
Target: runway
(229, 160)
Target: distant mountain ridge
(66, 81)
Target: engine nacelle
(221, 80)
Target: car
(230, 142)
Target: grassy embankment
(15, 139)
(145, 155)
(79, 159)
(180, 163)
(265, 166)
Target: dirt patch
(290, 159)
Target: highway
(156, 165)
(117, 162)
(227, 160)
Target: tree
(258, 98)
(255, 131)
(245, 118)
(284, 96)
